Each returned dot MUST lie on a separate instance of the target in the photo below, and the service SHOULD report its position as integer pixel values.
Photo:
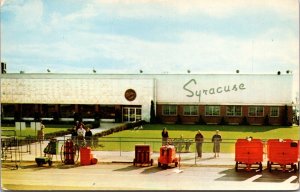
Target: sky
(155, 36)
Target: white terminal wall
(77, 91)
(244, 89)
(257, 89)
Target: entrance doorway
(131, 114)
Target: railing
(183, 145)
(114, 146)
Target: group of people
(81, 134)
(199, 138)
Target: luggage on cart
(51, 148)
(282, 153)
(249, 152)
(142, 155)
(167, 155)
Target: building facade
(177, 98)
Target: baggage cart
(86, 156)
(167, 155)
(249, 153)
(283, 154)
(43, 160)
(49, 151)
(298, 154)
(142, 155)
(69, 152)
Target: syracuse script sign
(193, 91)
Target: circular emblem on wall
(130, 94)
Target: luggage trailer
(142, 155)
(283, 154)
(249, 153)
(167, 156)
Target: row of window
(213, 110)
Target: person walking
(199, 140)
(41, 133)
(165, 136)
(216, 139)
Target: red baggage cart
(298, 154)
(142, 155)
(282, 152)
(167, 156)
(249, 152)
(69, 152)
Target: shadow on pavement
(278, 176)
(34, 167)
(153, 169)
(64, 166)
(232, 175)
(129, 168)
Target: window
(67, 111)
(256, 111)
(87, 111)
(234, 110)
(8, 110)
(47, 110)
(274, 111)
(190, 110)
(28, 110)
(211, 110)
(107, 111)
(169, 110)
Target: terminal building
(256, 99)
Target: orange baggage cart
(167, 156)
(142, 155)
(249, 152)
(282, 153)
(85, 156)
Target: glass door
(131, 114)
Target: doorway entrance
(131, 114)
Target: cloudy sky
(170, 36)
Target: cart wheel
(270, 167)
(50, 163)
(260, 167)
(159, 165)
(39, 164)
(176, 164)
(295, 168)
(76, 153)
(236, 166)
(62, 154)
